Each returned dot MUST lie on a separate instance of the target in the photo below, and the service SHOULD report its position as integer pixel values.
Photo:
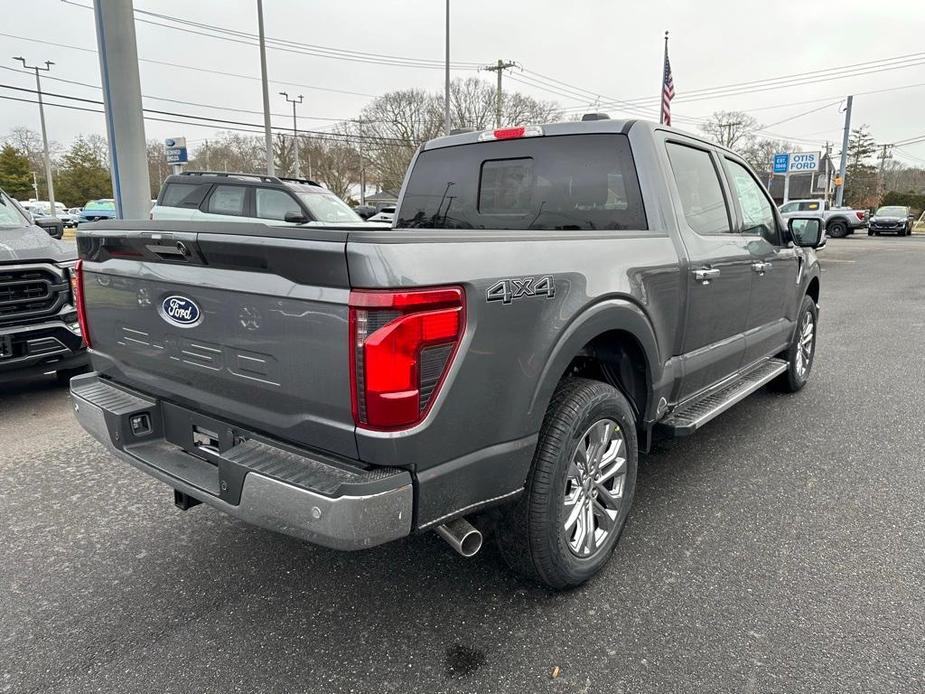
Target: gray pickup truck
(548, 300)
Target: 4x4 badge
(507, 290)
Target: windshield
(891, 212)
(10, 216)
(328, 208)
(101, 205)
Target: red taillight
(401, 346)
(859, 214)
(77, 289)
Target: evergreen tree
(15, 173)
(83, 174)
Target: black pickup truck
(39, 331)
(548, 300)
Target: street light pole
(38, 87)
(295, 131)
(268, 136)
(446, 76)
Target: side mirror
(295, 218)
(806, 232)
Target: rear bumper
(305, 495)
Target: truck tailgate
(249, 324)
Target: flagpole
(661, 90)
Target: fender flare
(604, 316)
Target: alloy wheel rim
(805, 347)
(594, 485)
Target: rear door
(246, 323)
(180, 200)
(720, 273)
(226, 203)
(775, 267)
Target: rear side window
(184, 194)
(228, 200)
(698, 185)
(563, 182)
(809, 206)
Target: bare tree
(733, 129)
(335, 162)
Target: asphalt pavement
(780, 549)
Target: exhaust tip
(461, 536)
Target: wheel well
(617, 358)
(812, 290)
(834, 220)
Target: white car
(386, 214)
(233, 197)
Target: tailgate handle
(179, 250)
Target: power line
(192, 67)
(207, 119)
(285, 45)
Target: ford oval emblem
(180, 310)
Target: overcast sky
(607, 47)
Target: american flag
(667, 89)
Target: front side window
(562, 182)
(328, 208)
(701, 193)
(757, 212)
(789, 207)
(228, 200)
(275, 204)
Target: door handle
(761, 268)
(704, 275)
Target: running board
(690, 416)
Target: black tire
(838, 230)
(794, 378)
(530, 533)
(870, 232)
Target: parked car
(365, 211)
(97, 210)
(237, 197)
(893, 219)
(550, 299)
(386, 214)
(839, 221)
(39, 330)
(54, 226)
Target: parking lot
(778, 550)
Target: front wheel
(564, 529)
(802, 350)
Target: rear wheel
(565, 527)
(838, 230)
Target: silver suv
(239, 197)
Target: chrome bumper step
(689, 416)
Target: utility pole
(884, 155)
(500, 67)
(362, 165)
(267, 135)
(125, 123)
(295, 131)
(840, 188)
(727, 140)
(828, 173)
(446, 76)
(38, 87)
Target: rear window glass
(183, 194)
(562, 182)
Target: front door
(775, 267)
(719, 275)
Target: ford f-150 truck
(839, 221)
(39, 331)
(548, 299)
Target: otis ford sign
(797, 162)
